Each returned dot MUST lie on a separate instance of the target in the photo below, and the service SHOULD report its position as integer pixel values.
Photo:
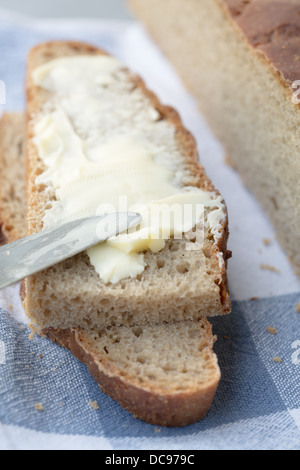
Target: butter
(105, 150)
(114, 265)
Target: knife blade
(36, 252)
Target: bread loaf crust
(272, 28)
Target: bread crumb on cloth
(277, 359)
(271, 330)
(94, 405)
(39, 407)
(269, 268)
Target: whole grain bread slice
(165, 374)
(176, 285)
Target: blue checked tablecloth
(257, 405)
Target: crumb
(228, 161)
(39, 407)
(157, 430)
(277, 359)
(94, 405)
(298, 307)
(10, 307)
(269, 268)
(27, 367)
(34, 330)
(40, 356)
(267, 241)
(271, 330)
(255, 298)
(225, 337)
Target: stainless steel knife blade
(32, 254)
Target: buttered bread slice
(165, 374)
(99, 141)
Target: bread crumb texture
(170, 358)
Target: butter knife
(36, 252)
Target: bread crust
(35, 101)
(271, 28)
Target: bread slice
(164, 374)
(12, 175)
(241, 60)
(176, 285)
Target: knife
(32, 254)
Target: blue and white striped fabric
(257, 405)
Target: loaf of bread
(165, 374)
(241, 61)
(176, 284)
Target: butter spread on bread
(94, 171)
(176, 283)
